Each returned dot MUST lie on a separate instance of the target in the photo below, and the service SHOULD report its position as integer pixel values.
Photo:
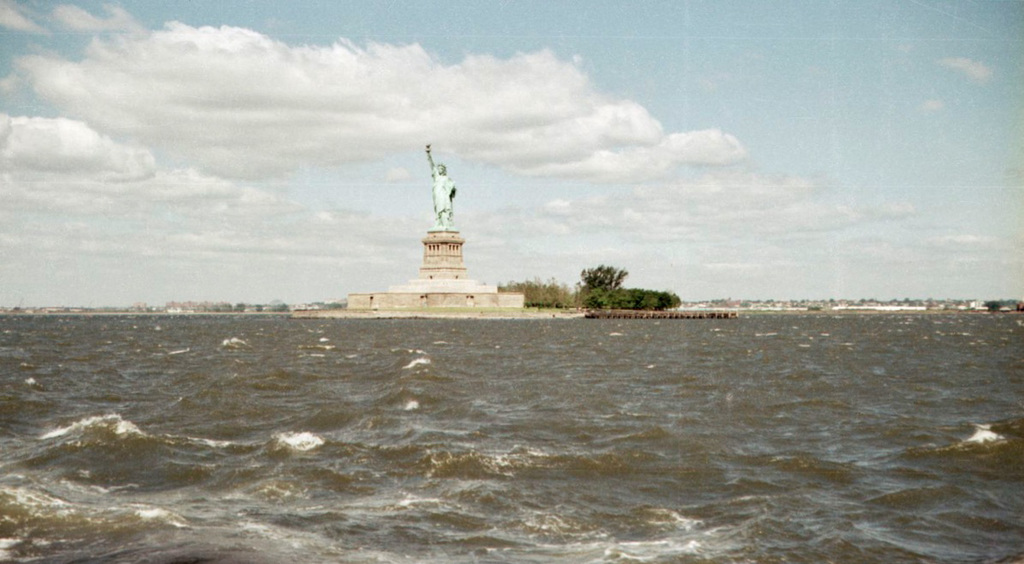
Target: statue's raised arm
(430, 159)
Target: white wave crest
(113, 421)
(416, 362)
(299, 441)
(412, 405)
(550, 524)
(317, 347)
(6, 544)
(210, 442)
(669, 518)
(984, 434)
(233, 343)
(156, 513)
(413, 501)
(591, 549)
(34, 501)
(643, 551)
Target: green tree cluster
(996, 305)
(603, 278)
(543, 294)
(601, 288)
(630, 298)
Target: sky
(251, 151)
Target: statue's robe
(443, 188)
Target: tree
(542, 294)
(998, 305)
(601, 288)
(631, 298)
(603, 277)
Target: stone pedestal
(442, 256)
(443, 282)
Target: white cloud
(932, 105)
(15, 17)
(9, 84)
(75, 18)
(727, 232)
(964, 241)
(62, 166)
(212, 240)
(5, 130)
(45, 145)
(975, 70)
(80, 209)
(639, 164)
(397, 174)
(241, 104)
(720, 205)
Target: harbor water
(765, 439)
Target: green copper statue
(444, 196)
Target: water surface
(780, 438)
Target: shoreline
(466, 314)
(437, 314)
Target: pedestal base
(399, 300)
(443, 283)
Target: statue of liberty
(444, 195)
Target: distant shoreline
(437, 314)
(126, 312)
(322, 314)
(463, 314)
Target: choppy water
(263, 439)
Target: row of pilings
(650, 314)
